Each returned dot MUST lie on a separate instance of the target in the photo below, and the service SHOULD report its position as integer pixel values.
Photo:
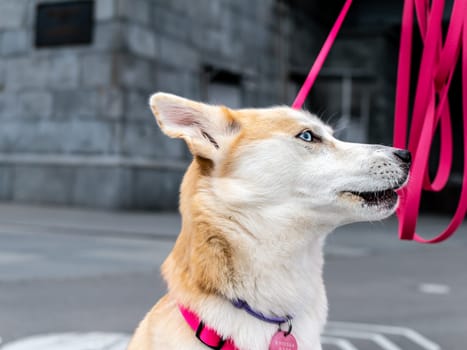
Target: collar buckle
(200, 329)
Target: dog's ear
(205, 128)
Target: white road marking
(410, 334)
(341, 343)
(434, 288)
(15, 258)
(346, 252)
(72, 341)
(376, 338)
(337, 334)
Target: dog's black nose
(403, 155)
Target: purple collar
(242, 304)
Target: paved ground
(75, 271)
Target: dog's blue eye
(306, 136)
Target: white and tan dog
(265, 188)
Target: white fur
(287, 199)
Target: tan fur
(257, 125)
(200, 263)
(163, 317)
(202, 260)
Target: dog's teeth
(376, 197)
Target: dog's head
(279, 166)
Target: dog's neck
(279, 276)
(221, 256)
(273, 283)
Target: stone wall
(75, 126)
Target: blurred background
(75, 77)
(80, 152)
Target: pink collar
(206, 335)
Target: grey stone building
(75, 77)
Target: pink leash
(431, 106)
(314, 71)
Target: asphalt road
(76, 271)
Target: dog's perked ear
(205, 128)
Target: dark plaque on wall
(64, 23)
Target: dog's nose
(403, 155)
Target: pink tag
(280, 341)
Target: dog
(265, 188)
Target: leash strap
(323, 53)
(430, 108)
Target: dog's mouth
(385, 198)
